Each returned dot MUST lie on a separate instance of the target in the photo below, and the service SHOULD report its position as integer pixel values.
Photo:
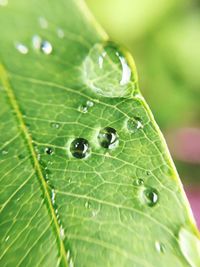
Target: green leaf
(86, 177)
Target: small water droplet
(134, 124)
(49, 150)
(109, 71)
(3, 2)
(6, 239)
(87, 205)
(53, 195)
(108, 138)
(4, 152)
(55, 125)
(36, 42)
(46, 47)
(138, 182)
(21, 48)
(60, 33)
(190, 247)
(69, 259)
(62, 232)
(85, 108)
(159, 247)
(80, 148)
(150, 196)
(43, 22)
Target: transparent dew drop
(46, 47)
(108, 138)
(43, 22)
(85, 108)
(55, 125)
(4, 152)
(60, 33)
(69, 259)
(87, 205)
(62, 232)
(49, 150)
(80, 148)
(36, 42)
(134, 124)
(189, 245)
(109, 71)
(3, 2)
(150, 196)
(138, 182)
(21, 48)
(53, 196)
(159, 247)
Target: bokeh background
(164, 39)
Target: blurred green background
(164, 39)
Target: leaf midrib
(36, 165)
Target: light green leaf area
(112, 197)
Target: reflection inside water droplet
(109, 71)
(80, 148)
(108, 138)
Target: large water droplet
(134, 124)
(109, 71)
(150, 196)
(21, 48)
(46, 47)
(190, 247)
(108, 138)
(80, 148)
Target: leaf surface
(120, 202)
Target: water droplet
(109, 71)
(53, 195)
(190, 247)
(108, 138)
(43, 22)
(62, 232)
(6, 239)
(60, 33)
(36, 42)
(159, 247)
(85, 108)
(3, 2)
(134, 124)
(46, 47)
(49, 150)
(87, 205)
(4, 152)
(21, 48)
(138, 182)
(150, 196)
(80, 148)
(69, 259)
(55, 125)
